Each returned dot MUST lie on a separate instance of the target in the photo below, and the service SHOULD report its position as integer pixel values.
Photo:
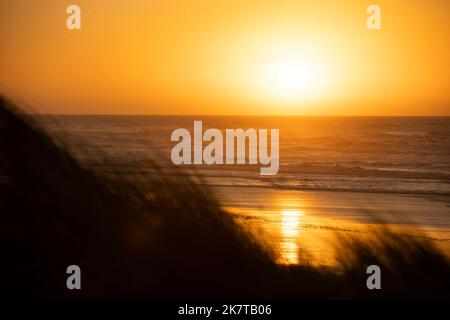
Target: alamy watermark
(73, 281)
(374, 280)
(73, 21)
(192, 151)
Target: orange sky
(217, 57)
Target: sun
(293, 78)
(289, 76)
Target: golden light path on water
(295, 241)
(291, 235)
(290, 230)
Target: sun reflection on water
(290, 230)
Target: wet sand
(299, 226)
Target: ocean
(409, 155)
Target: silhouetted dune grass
(163, 236)
(412, 266)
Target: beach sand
(300, 226)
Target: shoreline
(360, 207)
(440, 197)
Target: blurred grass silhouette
(164, 236)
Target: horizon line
(239, 115)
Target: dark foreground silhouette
(164, 236)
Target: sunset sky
(227, 57)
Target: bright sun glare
(293, 78)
